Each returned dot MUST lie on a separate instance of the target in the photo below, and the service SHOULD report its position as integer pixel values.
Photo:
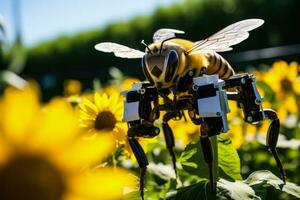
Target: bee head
(160, 64)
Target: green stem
(214, 145)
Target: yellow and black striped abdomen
(218, 65)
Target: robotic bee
(201, 81)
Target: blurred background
(52, 41)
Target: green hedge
(74, 56)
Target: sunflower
(282, 78)
(103, 116)
(287, 107)
(42, 157)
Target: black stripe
(219, 67)
(225, 71)
(212, 60)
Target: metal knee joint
(212, 103)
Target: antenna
(143, 42)
(162, 43)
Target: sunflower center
(29, 177)
(286, 84)
(105, 121)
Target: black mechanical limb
(209, 110)
(272, 138)
(208, 155)
(169, 136)
(250, 101)
(144, 130)
(140, 111)
(141, 159)
(247, 96)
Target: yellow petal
(236, 135)
(86, 152)
(293, 70)
(282, 113)
(55, 126)
(83, 114)
(110, 90)
(290, 104)
(114, 99)
(296, 86)
(103, 183)
(280, 67)
(104, 100)
(87, 106)
(18, 108)
(98, 100)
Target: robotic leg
(250, 101)
(139, 115)
(212, 106)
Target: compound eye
(172, 65)
(145, 70)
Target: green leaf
(192, 160)
(225, 190)
(195, 191)
(259, 180)
(254, 187)
(234, 190)
(229, 161)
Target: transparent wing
(225, 38)
(119, 50)
(165, 33)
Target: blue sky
(46, 19)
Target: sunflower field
(75, 147)
(62, 129)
